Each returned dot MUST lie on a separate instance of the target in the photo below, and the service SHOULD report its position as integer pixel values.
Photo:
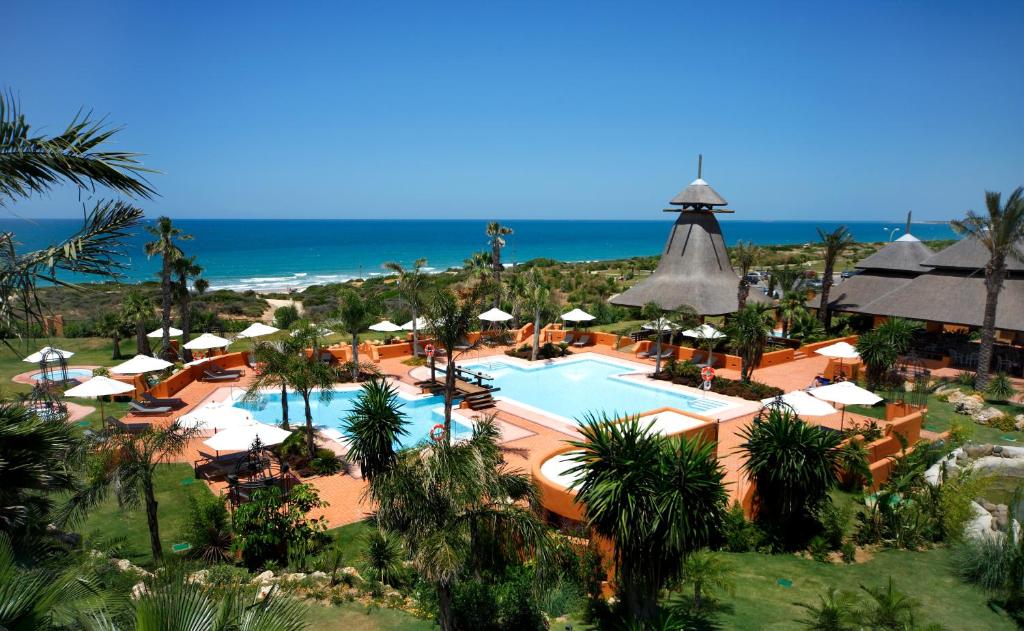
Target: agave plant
(374, 427)
(1000, 388)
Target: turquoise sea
(277, 255)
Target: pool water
(421, 414)
(571, 389)
(72, 373)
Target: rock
(998, 465)
(948, 389)
(124, 565)
(980, 525)
(932, 476)
(1018, 422)
(1012, 452)
(320, 577)
(263, 578)
(977, 451)
(966, 403)
(986, 415)
(297, 576)
(264, 591)
(198, 577)
(394, 593)
(139, 590)
(997, 449)
(351, 571)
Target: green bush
(740, 535)
(475, 606)
(849, 552)
(267, 523)
(326, 462)
(1000, 388)
(286, 316)
(209, 526)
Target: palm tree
(536, 299)
(275, 359)
(411, 283)
(707, 572)
(355, 316)
(38, 460)
(793, 466)
(306, 374)
(832, 612)
(443, 499)
(1002, 233)
(374, 427)
(497, 233)
(784, 278)
(480, 270)
(138, 309)
(833, 244)
(449, 322)
(805, 327)
(656, 499)
(749, 330)
(185, 269)
(653, 312)
(114, 326)
(791, 303)
(126, 462)
(165, 247)
(744, 255)
(881, 348)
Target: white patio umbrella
(840, 351)
(53, 354)
(578, 315)
(387, 326)
(241, 438)
(217, 417)
(495, 315)
(666, 325)
(99, 387)
(846, 393)
(321, 332)
(704, 332)
(207, 341)
(140, 364)
(803, 404)
(421, 323)
(258, 329)
(160, 332)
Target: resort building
(694, 270)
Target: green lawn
(353, 540)
(941, 415)
(353, 616)
(108, 520)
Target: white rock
(198, 577)
(979, 526)
(996, 464)
(139, 590)
(264, 591)
(933, 474)
(351, 571)
(319, 576)
(986, 415)
(263, 578)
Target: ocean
(280, 255)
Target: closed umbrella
(387, 326)
(258, 329)
(217, 417)
(141, 364)
(99, 387)
(50, 353)
(241, 438)
(847, 393)
(207, 341)
(172, 332)
(802, 404)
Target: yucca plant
(374, 427)
(383, 555)
(1000, 388)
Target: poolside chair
(217, 370)
(114, 423)
(140, 408)
(463, 345)
(664, 354)
(582, 341)
(212, 376)
(174, 402)
(567, 340)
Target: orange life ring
(437, 432)
(707, 373)
(429, 349)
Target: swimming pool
(571, 388)
(421, 413)
(72, 373)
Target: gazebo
(694, 270)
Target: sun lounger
(217, 370)
(212, 376)
(114, 423)
(567, 339)
(665, 354)
(158, 401)
(463, 345)
(582, 341)
(141, 408)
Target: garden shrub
(326, 462)
(225, 575)
(209, 526)
(544, 351)
(286, 316)
(739, 534)
(1003, 422)
(849, 552)
(1000, 388)
(265, 525)
(475, 606)
(688, 374)
(518, 607)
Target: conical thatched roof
(698, 194)
(905, 254)
(970, 254)
(694, 271)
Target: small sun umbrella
(217, 417)
(704, 332)
(421, 323)
(207, 341)
(578, 315)
(241, 438)
(258, 329)
(51, 354)
(803, 404)
(387, 326)
(846, 393)
(666, 325)
(140, 364)
(99, 387)
(840, 351)
(173, 332)
(495, 315)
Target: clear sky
(846, 110)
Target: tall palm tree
(784, 278)
(791, 303)
(39, 459)
(307, 374)
(1002, 234)
(443, 499)
(656, 499)
(497, 233)
(481, 272)
(412, 283)
(114, 326)
(185, 269)
(355, 316)
(794, 466)
(138, 309)
(536, 299)
(833, 244)
(449, 322)
(374, 427)
(165, 246)
(749, 330)
(126, 463)
(653, 312)
(275, 359)
(744, 255)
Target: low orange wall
(776, 357)
(881, 450)
(175, 383)
(390, 351)
(808, 349)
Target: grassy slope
(352, 616)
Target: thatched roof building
(694, 270)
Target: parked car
(849, 273)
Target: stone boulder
(980, 524)
(320, 577)
(986, 415)
(1018, 422)
(966, 404)
(263, 578)
(198, 577)
(139, 590)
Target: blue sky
(845, 110)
